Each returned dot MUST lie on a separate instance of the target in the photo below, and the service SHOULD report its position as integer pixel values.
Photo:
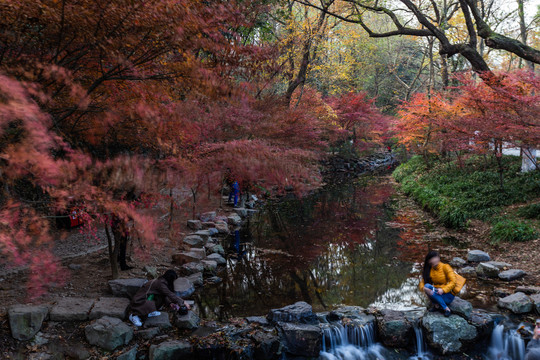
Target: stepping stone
(194, 241)
(518, 303)
(512, 274)
(170, 350)
(220, 260)
(458, 262)
(487, 270)
(196, 279)
(477, 256)
(126, 287)
(499, 264)
(71, 309)
(261, 320)
(192, 267)
(190, 321)
(162, 321)
(201, 252)
(467, 270)
(206, 235)
(108, 333)
(234, 219)
(215, 248)
(194, 224)
(209, 265)
(183, 287)
(208, 216)
(207, 225)
(186, 257)
(222, 227)
(112, 307)
(26, 320)
(242, 212)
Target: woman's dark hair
(170, 276)
(427, 266)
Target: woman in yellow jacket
(438, 281)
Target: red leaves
(503, 109)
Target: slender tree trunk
(113, 253)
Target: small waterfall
(421, 350)
(506, 345)
(350, 342)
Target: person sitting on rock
(153, 295)
(438, 282)
(533, 347)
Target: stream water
(345, 244)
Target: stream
(342, 245)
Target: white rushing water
(350, 342)
(421, 349)
(506, 344)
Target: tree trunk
(113, 253)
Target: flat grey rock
(196, 279)
(458, 262)
(130, 354)
(193, 267)
(194, 241)
(190, 321)
(108, 333)
(126, 287)
(194, 224)
(220, 260)
(26, 320)
(170, 350)
(162, 321)
(477, 256)
(71, 309)
(512, 274)
(486, 269)
(110, 306)
(518, 303)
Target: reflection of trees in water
(331, 247)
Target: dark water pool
(344, 244)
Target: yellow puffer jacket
(443, 277)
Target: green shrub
(530, 211)
(457, 194)
(511, 230)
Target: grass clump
(512, 230)
(530, 211)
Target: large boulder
(301, 339)
(394, 329)
(170, 350)
(161, 321)
(447, 335)
(110, 306)
(461, 307)
(108, 333)
(126, 287)
(183, 287)
(194, 241)
(26, 320)
(486, 269)
(300, 312)
(71, 309)
(512, 274)
(518, 303)
(477, 256)
(190, 321)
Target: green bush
(511, 230)
(530, 211)
(457, 194)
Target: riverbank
(466, 208)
